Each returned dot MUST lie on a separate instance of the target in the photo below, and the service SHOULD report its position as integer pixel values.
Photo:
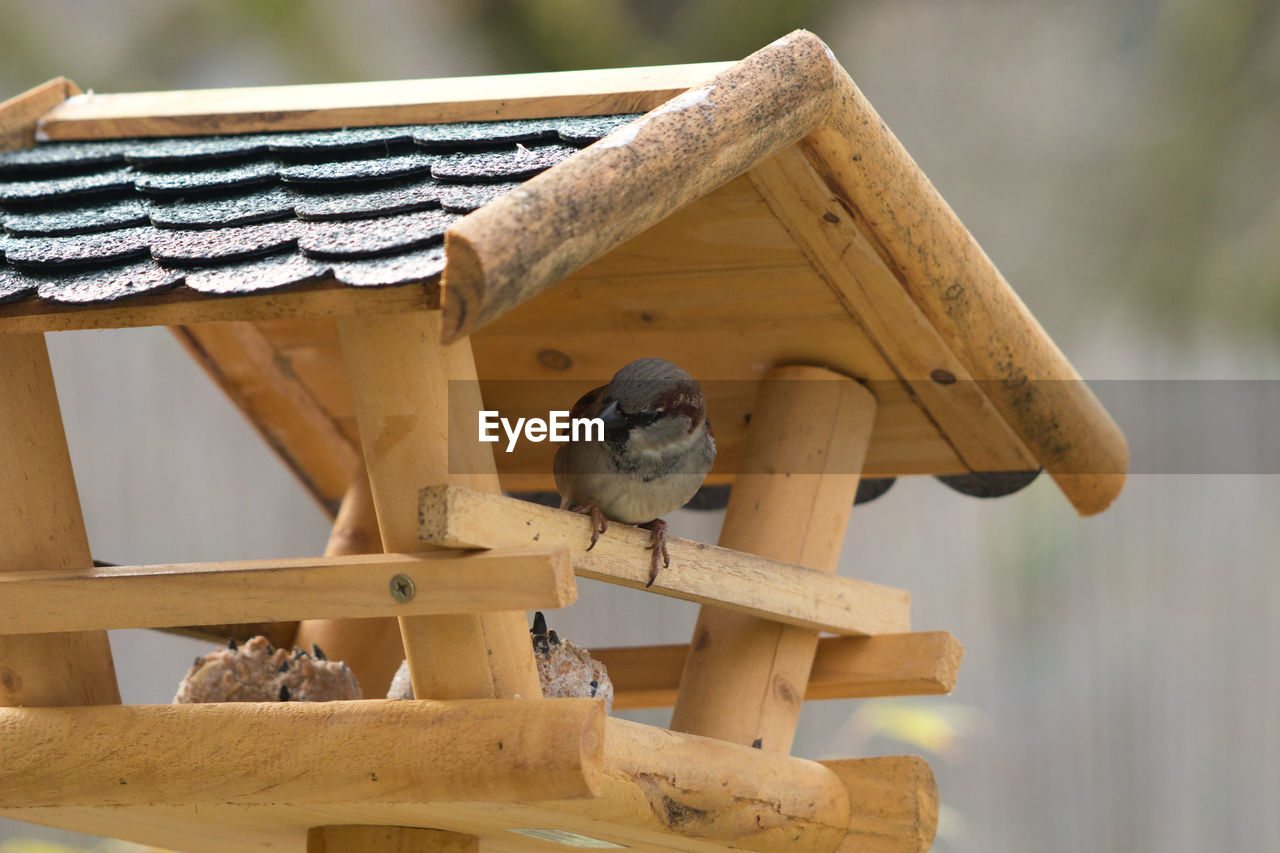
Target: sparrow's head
(651, 404)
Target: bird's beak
(612, 417)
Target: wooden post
(41, 528)
(388, 839)
(371, 647)
(745, 677)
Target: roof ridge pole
(744, 678)
(521, 244)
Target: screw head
(402, 589)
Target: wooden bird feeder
(757, 225)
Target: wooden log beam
(966, 299)
(280, 590)
(42, 534)
(302, 752)
(400, 375)
(449, 99)
(894, 804)
(371, 647)
(746, 583)
(520, 245)
(915, 664)
(744, 678)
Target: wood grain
(281, 590)
(744, 678)
(42, 532)
(400, 375)
(388, 839)
(521, 244)
(769, 589)
(447, 99)
(895, 804)
(374, 750)
(19, 114)
(914, 664)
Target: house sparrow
(657, 450)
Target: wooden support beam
(371, 647)
(918, 664)
(744, 678)
(519, 245)
(281, 590)
(974, 310)
(302, 752)
(42, 532)
(745, 583)
(894, 804)
(449, 99)
(400, 375)
(388, 839)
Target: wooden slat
(456, 517)
(895, 804)
(966, 299)
(387, 839)
(243, 362)
(242, 110)
(19, 114)
(521, 244)
(744, 677)
(182, 307)
(280, 590)
(914, 664)
(277, 752)
(872, 294)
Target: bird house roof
(729, 217)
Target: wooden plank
(449, 99)
(371, 647)
(181, 306)
(243, 362)
(896, 804)
(387, 839)
(400, 374)
(964, 297)
(770, 589)
(19, 114)
(521, 244)
(915, 664)
(274, 752)
(872, 294)
(42, 531)
(744, 678)
(281, 590)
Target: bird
(657, 449)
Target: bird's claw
(658, 545)
(599, 524)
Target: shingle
(584, 130)
(362, 238)
(66, 187)
(79, 249)
(185, 151)
(354, 171)
(468, 134)
(221, 211)
(257, 274)
(342, 139)
(77, 219)
(518, 161)
(176, 183)
(387, 270)
(242, 241)
(61, 156)
(397, 197)
(108, 284)
(14, 284)
(464, 198)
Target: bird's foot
(657, 544)
(599, 524)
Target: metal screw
(402, 588)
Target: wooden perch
(521, 244)
(458, 518)
(302, 752)
(280, 590)
(916, 664)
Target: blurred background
(1121, 686)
